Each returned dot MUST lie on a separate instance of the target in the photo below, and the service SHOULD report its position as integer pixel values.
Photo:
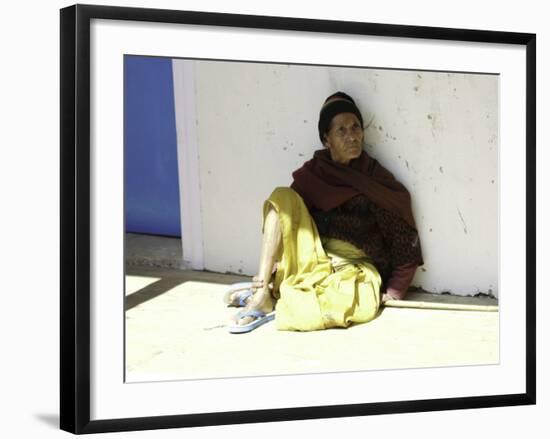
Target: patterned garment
(386, 238)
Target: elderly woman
(337, 243)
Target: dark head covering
(336, 103)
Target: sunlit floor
(176, 329)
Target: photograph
(275, 219)
(291, 218)
(339, 214)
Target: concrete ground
(153, 251)
(176, 329)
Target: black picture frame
(75, 217)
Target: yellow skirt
(320, 284)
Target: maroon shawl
(325, 184)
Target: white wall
(437, 132)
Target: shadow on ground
(51, 420)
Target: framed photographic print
(176, 126)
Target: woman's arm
(403, 246)
(399, 281)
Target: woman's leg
(262, 300)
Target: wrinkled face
(344, 139)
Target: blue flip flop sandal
(243, 290)
(260, 318)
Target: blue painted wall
(150, 148)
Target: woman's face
(344, 138)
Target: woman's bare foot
(262, 300)
(234, 297)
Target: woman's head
(341, 127)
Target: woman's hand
(386, 297)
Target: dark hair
(336, 103)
